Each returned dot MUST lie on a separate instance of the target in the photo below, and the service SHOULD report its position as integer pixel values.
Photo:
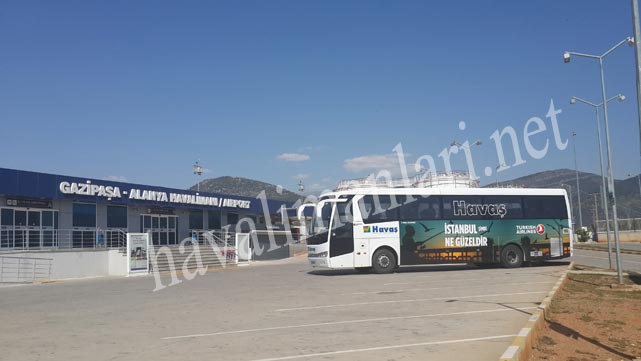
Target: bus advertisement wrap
(436, 241)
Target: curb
(522, 344)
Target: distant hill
(627, 191)
(245, 187)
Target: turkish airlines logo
(540, 229)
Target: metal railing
(76, 238)
(221, 240)
(625, 225)
(24, 269)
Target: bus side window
(513, 206)
(447, 208)
(378, 208)
(537, 207)
(429, 208)
(462, 202)
(409, 209)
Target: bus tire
(511, 256)
(384, 261)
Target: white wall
(79, 264)
(117, 263)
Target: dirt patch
(590, 320)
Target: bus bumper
(318, 262)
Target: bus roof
(448, 191)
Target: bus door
(341, 242)
(362, 257)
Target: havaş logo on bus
(379, 229)
(473, 209)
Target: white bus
(381, 229)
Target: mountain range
(628, 191)
(245, 187)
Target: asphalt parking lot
(629, 262)
(276, 311)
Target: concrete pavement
(629, 262)
(277, 312)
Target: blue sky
(139, 90)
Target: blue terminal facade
(50, 211)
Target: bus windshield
(322, 215)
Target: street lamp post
(198, 170)
(566, 58)
(468, 146)
(578, 186)
(457, 144)
(496, 169)
(603, 184)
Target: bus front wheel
(384, 261)
(512, 256)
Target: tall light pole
(637, 57)
(457, 144)
(470, 167)
(198, 170)
(603, 186)
(578, 186)
(496, 169)
(566, 58)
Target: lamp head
(621, 97)
(573, 101)
(631, 41)
(566, 57)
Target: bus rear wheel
(511, 256)
(384, 261)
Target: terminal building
(40, 211)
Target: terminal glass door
(49, 228)
(28, 229)
(162, 228)
(33, 229)
(20, 229)
(6, 228)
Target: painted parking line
(330, 353)
(348, 322)
(443, 288)
(450, 280)
(405, 301)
